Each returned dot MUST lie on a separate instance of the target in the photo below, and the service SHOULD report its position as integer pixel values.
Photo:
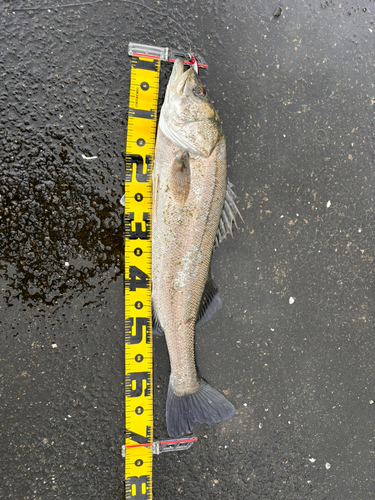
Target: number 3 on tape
(144, 88)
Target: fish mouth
(180, 82)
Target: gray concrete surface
(296, 97)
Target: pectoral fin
(180, 177)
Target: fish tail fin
(206, 406)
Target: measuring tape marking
(143, 98)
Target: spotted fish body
(189, 193)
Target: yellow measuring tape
(144, 89)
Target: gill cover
(188, 118)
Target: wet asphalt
(293, 345)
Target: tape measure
(144, 89)
(137, 200)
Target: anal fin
(156, 326)
(210, 302)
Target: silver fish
(193, 211)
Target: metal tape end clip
(166, 54)
(158, 447)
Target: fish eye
(199, 91)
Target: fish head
(188, 118)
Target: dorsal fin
(228, 216)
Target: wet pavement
(292, 347)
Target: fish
(193, 210)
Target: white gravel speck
(54, 346)
(89, 157)
(328, 465)
(67, 264)
(312, 460)
(328, 203)
(260, 425)
(291, 300)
